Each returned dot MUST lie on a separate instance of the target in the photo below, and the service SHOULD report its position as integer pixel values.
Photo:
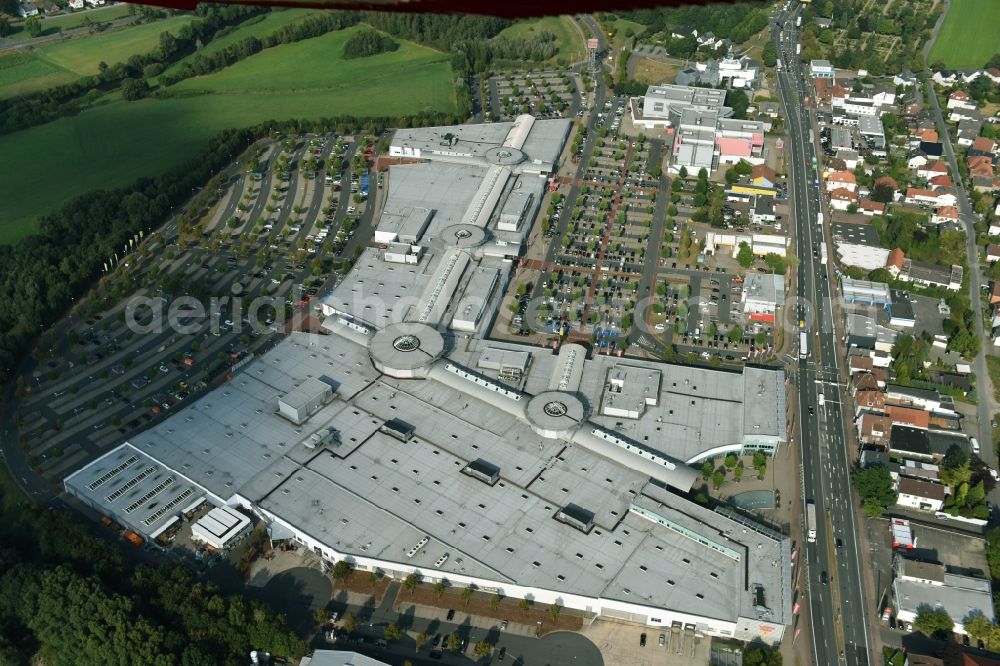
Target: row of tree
(474, 57)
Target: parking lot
(287, 216)
(543, 94)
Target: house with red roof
(942, 182)
(945, 215)
(871, 208)
(992, 253)
(935, 168)
(959, 99)
(841, 198)
(841, 180)
(894, 264)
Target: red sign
(593, 43)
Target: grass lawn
(568, 37)
(112, 145)
(969, 36)
(82, 55)
(619, 29)
(256, 26)
(993, 368)
(22, 73)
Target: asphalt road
(838, 613)
(968, 218)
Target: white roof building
(221, 527)
(404, 447)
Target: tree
(453, 642)
(483, 650)
(683, 172)
(759, 655)
(718, 479)
(735, 333)
(934, 622)
(133, 89)
(495, 601)
(874, 485)
(467, 593)
(731, 461)
(33, 26)
(420, 640)
(981, 629)
(706, 469)
(745, 256)
(439, 589)
(4, 27)
(350, 623)
(524, 605)
(411, 582)
(554, 610)
(392, 632)
(769, 56)
(342, 570)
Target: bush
(368, 43)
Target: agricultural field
(83, 55)
(98, 148)
(21, 73)
(969, 35)
(255, 26)
(568, 36)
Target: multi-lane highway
(837, 622)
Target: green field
(51, 25)
(83, 55)
(257, 26)
(970, 34)
(21, 72)
(113, 144)
(568, 37)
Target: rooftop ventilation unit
(401, 430)
(576, 516)
(482, 470)
(321, 437)
(441, 560)
(420, 544)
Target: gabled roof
(842, 177)
(937, 166)
(949, 212)
(958, 94)
(896, 258)
(842, 194)
(763, 171)
(875, 206)
(927, 134)
(942, 181)
(918, 488)
(984, 145)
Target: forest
(366, 43)
(737, 21)
(75, 597)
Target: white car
(275, 281)
(660, 327)
(975, 445)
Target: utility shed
(220, 527)
(300, 403)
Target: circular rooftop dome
(405, 350)
(463, 235)
(504, 155)
(554, 414)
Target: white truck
(819, 219)
(822, 254)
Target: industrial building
(403, 441)
(865, 292)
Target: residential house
(822, 69)
(967, 132)
(684, 32)
(941, 182)
(935, 168)
(919, 585)
(919, 196)
(916, 160)
(906, 79)
(871, 208)
(931, 149)
(945, 215)
(983, 147)
(823, 23)
(841, 198)
(958, 115)
(992, 253)
(894, 263)
(993, 74)
(918, 494)
(27, 9)
(706, 39)
(959, 99)
(908, 416)
(861, 365)
(995, 293)
(869, 401)
(763, 175)
(841, 180)
(926, 399)
(874, 429)
(76, 4)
